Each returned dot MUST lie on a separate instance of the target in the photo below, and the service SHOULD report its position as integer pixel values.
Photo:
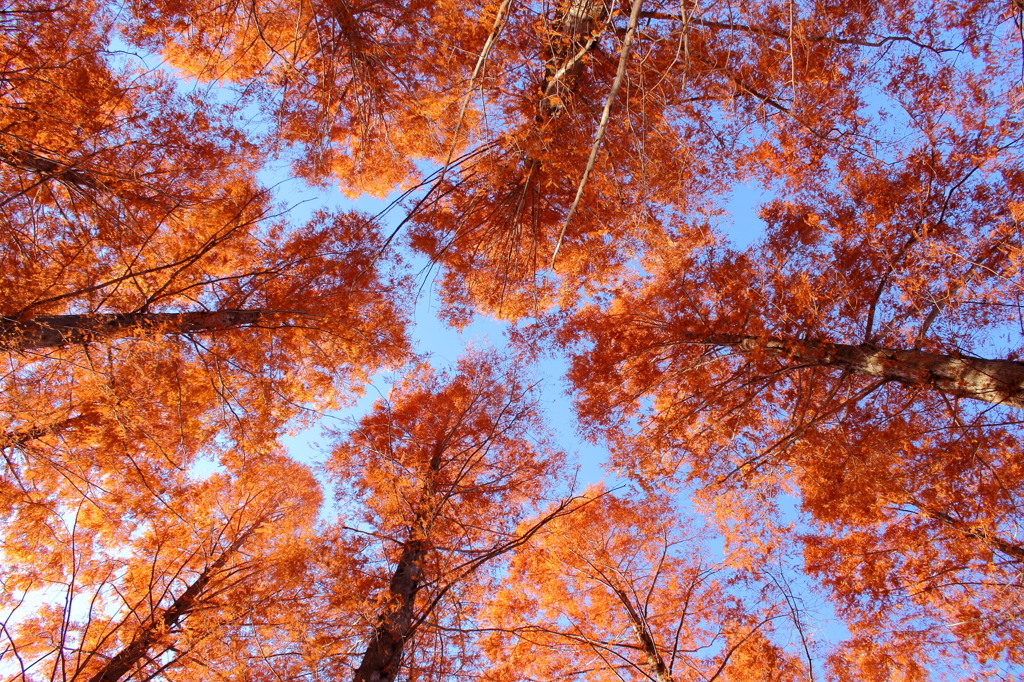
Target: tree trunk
(128, 657)
(645, 640)
(26, 160)
(994, 381)
(19, 437)
(383, 656)
(574, 33)
(54, 331)
(976, 532)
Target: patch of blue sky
(742, 224)
(432, 339)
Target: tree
(550, 142)
(445, 472)
(772, 93)
(139, 583)
(361, 91)
(922, 575)
(154, 309)
(132, 213)
(172, 392)
(624, 589)
(574, 159)
(829, 362)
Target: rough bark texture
(128, 657)
(383, 656)
(574, 33)
(976, 532)
(19, 437)
(54, 331)
(26, 160)
(995, 381)
(645, 640)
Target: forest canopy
(811, 441)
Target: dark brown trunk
(19, 437)
(128, 657)
(383, 657)
(34, 163)
(645, 640)
(54, 331)
(994, 381)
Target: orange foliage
(622, 589)
(163, 323)
(444, 471)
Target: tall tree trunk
(25, 160)
(54, 331)
(994, 381)
(19, 437)
(574, 33)
(645, 639)
(383, 656)
(128, 657)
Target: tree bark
(19, 437)
(54, 331)
(383, 656)
(26, 160)
(1000, 382)
(645, 639)
(574, 33)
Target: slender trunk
(54, 331)
(976, 532)
(26, 160)
(19, 437)
(645, 640)
(128, 657)
(994, 381)
(383, 656)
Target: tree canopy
(813, 438)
